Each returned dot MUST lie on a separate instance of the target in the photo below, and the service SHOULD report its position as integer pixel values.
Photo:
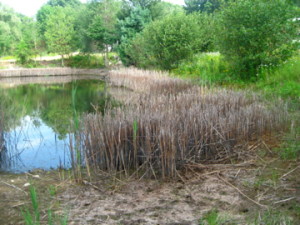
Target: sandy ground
(238, 192)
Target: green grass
(85, 61)
(210, 218)
(272, 217)
(32, 215)
(210, 68)
(281, 81)
(7, 57)
(290, 148)
(214, 217)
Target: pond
(36, 117)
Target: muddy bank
(258, 192)
(38, 72)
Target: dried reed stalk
(177, 123)
(35, 72)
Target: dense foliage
(250, 35)
(256, 33)
(202, 5)
(164, 43)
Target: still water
(36, 117)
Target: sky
(30, 7)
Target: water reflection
(37, 120)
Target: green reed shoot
(32, 219)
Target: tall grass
(173, 124)
(85, 61)
(208, 68)
(33, 216)
(282, 81)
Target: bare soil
(240, 193)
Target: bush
(166, 42)
(23, 52)
(255, 33)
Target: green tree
(60, 33)
(63, 3)
(10, 29)
(128, 29)
(164, 43)
(42, 16)
(202, 5)
(23, 52)
(46, 10)
(27, 46)
(255, 33)
(162, 9)
(103, 28)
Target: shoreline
(58, 71)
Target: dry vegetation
(35, 72)
(172, 124)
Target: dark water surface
(36, 119)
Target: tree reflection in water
(38, 118)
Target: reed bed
(155, 82)
(15, 81)
(164, 130)
(50, 72)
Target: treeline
(249, 34)
(157, 34)
(15, 31)
(65, 26)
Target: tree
(103, 28)
(202, 5)
(10, 29)
(164, 43)
(63, 3)
(60, 33)
(128, 29)
(255, 33)
(162, 9)
(46, 10)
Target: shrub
(255, 33)
(23, 52)
(166, 42)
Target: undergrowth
(281, 81)
(91, 61)
(85, 61)
(209, 68)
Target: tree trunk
(62, 61)
(106, 56)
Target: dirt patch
(151, 202)
(231, 190)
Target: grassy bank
(281, 81)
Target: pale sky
(30, 7)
